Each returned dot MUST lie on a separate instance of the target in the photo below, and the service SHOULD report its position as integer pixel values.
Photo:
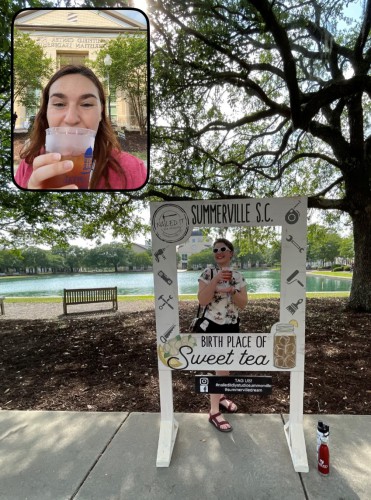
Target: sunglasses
(222, 249)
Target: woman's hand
(206, 290)
(46, 166)
(224, 276)
(225, 289)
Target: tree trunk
(360, 294)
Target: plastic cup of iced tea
(75, 144)
(227, 273)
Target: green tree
(246, 254)
(347, 249)
(255, 98)
(323, 244)
(253, 243)
(10, 260)
(330, 248)
(201, 259)
(31, 67)
(56, 262)
(315, 236)
(128, 72)
(74, 258)
(35, 258)
(110, 255)
(141, 260)
(273, 254)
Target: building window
(72, 17)
(65, 58)
(184, 257)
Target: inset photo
(80, 99)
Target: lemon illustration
(294, 323)
(174, 363)
(170, 349)
(160, 351)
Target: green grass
(140, 154)
(276, 295)
(23, 276)
(33, 300)
(252, 296)
(326, 295)
(331, 274)
(30, 300)
(135, 298)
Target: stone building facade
(196, 243)
(71, 36)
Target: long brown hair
(105, 140)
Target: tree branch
(283, 46)
(328, 188)
(333, 138)
(327, 204)
(364, 33)
(222, 125)
(333, 92)
(203, 38)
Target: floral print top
(222, 310)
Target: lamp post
(107, 62)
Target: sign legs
(168, 424)
(294, 430)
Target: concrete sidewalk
(107, 456)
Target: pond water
(141, 283)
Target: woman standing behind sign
(222, 293)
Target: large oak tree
(249, 98)
(263, 97)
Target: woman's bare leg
(214, 402)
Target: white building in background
(71, 37)
(138, 248)
(196, 243)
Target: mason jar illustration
(284, 346)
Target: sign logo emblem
(170, 223)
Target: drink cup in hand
(75, 144)
(227, 274)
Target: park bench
(89, 296)
(2, 309)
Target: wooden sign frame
(172, 224)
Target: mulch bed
(108, 363)
(134, 142)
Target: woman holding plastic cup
(73, 102)
(223, 292)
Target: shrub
(337, 269)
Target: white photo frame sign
(280, 349)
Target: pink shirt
(134, 169)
